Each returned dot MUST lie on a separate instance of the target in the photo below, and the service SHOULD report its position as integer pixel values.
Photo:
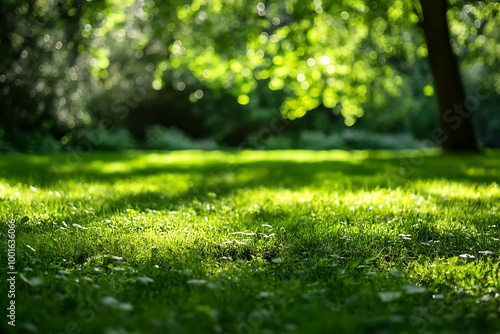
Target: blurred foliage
(222, 69)
(105, 140)
(160, 138)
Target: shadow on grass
(223, 178)
(375, 171)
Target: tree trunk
(457, 133)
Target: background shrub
(161, 138)
(104, 140)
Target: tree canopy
(339, 55)
(320, 53)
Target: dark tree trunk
(457, 132)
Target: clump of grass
(254, 242)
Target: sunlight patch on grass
(209, 238)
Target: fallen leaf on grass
(411, 289)
(144, 280)
(197, 282)
(389, 296)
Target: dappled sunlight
(396, 168)
(481, 278)
(483, 172)
(227, 166)
(446, 189)
(303, 156)
(323, 233)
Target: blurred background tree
(207, 74)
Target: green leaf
(52, 243)
(356, 262)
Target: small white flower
(467, 256)
(80, 227)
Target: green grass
(253, 242)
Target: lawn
(252, 242)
